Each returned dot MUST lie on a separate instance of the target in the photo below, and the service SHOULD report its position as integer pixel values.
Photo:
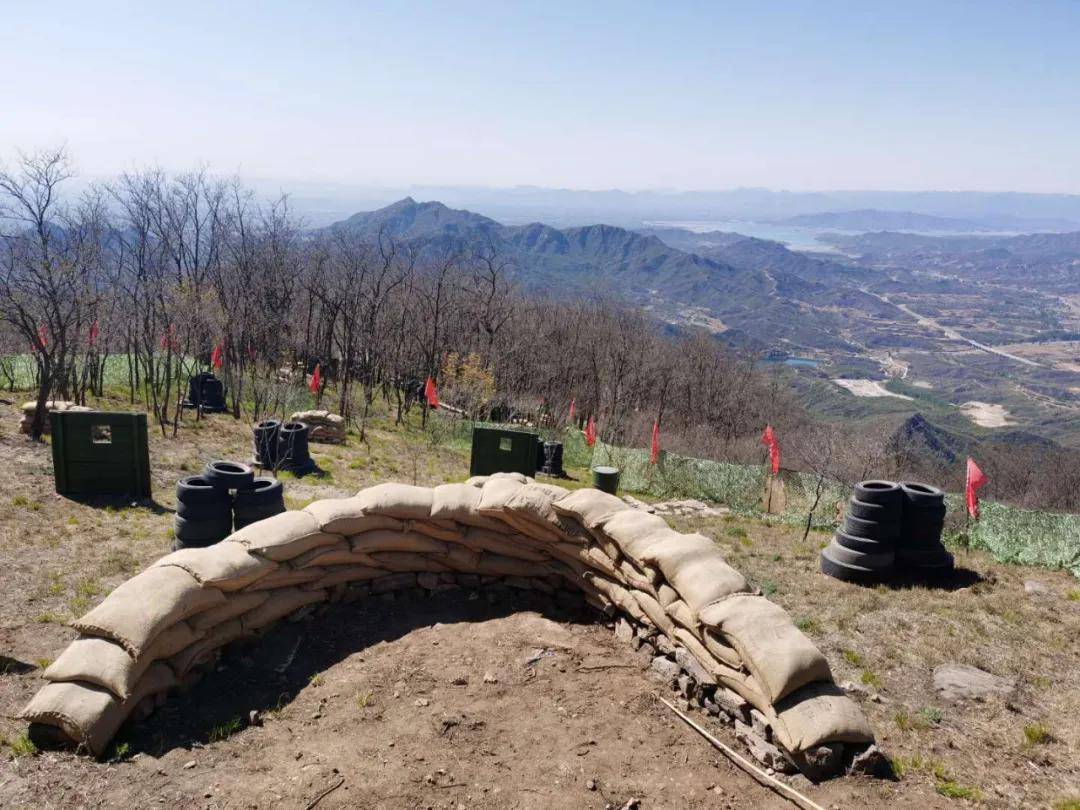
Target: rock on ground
(963, 682)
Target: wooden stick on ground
(787, 792)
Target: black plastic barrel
(553, 459)
(606, 479)
(293, 454)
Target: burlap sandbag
(665, 594)
(683, 616)
(498, 565)
(478, 481)
(346, 516)
(703, 577)
(340, 574)
(139, 609)
(461, 559)
(671, 549)
(495, 494)
(401, 561)
(590, 506)
(284, 536)
(317, 555)
(286, 577)
(721, 651)
(100, 662)
(531, 507)
(819, 713)
(634, 531)
(236, 605)
(634, 578)
(90, 715)
(460, 503)
(618, 596)
(597, 558)
(700, 653)
(173, 639)
(402, 501)
(507, 545)
(281, 603)
(187, 659)
(780, 657)
(655, 612)
(226, 566)
(368, 542)
(438, 529)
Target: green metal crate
(100, 453)
(497, 450)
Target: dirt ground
(492, 700)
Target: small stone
(853, 688)
(872, 762)
(875, 698)
(733, 704)
(665, 645)
(665, 668)
(1032, 587)
(764, 752)
(460, 680)
(685, 684)
(490, 678)
(254, 718)
(624, 631)
(590, 784)
(963, 682)
(710, 706)
(685, 659)
(421, 702)
(760, 725)
(189, 765)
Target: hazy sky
(799, 95)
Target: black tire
(202, 531)
(263, 492)
(883, 493)
(886, 531)
(881, 561)
(873, 511)
(848, 573)
(266, 442)
(204, 511)
(226, 475)
(862, 544)
(195, 489)
(921, 496)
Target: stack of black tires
(890, 530)
(281, 446)
(206, 392)
(226, 496)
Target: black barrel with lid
(606, 479)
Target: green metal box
(499, 450)
(100, 453)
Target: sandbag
(281, 603)
(393, 582)
(703, 577)
(665, 594)
(477, 481)
(634, 531)
(532, 504)
(655, 612)
(226, 566)
(402, 501)
(288, 577)
(618, 596)
(190, 657)
(671, 549)
(634, 578)
(236, 605)
(721, 651)
(597, 558)
(495, 494)
(405, 561)
(90, 715)
(819, 713)
(173, 639)
(460, 503)
(317, 555)
(778, 655)
(697, 649)
(340, 574)
(346, 516)
(283, 536)
(438, 529)
(683, 616)
(507, 545)
(100, 662)
(139, 609)
(396, 541)
(461, 559)
(590, 506)
(498, 565)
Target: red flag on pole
(654, 450)
(94, 331)
(590, 432)
(316, 380)
(573, 402)
(217, 357)
(976, 479)
(430, 394)
(43, 336)
(769, 438)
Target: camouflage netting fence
(743, 656)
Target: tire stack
(267, 435)
(203, 513)
(864, 549)
(293, 454)
(920, 554)
(226, 496)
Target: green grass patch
(852, 658)
(808, 625)
(1037, 734)
(223, 731)
(23, 746)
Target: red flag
(316, 380)
(654, 450)
(976, 479)
(769, 438)
(94, 330)
(430, 394)
(590, 432)
(573, 402)
(217, 357)
(43, 336)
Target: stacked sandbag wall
(729, 647)
(29, 408)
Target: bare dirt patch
(986, 414)
(868, 388)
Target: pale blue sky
(797, 95)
